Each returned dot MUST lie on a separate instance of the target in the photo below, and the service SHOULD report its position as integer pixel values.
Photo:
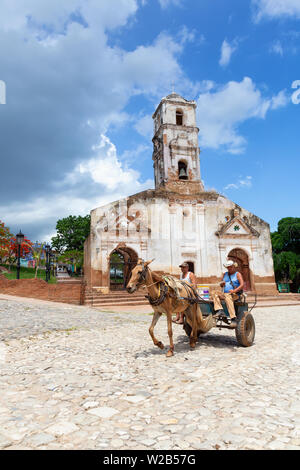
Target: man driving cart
(232, 284)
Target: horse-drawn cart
(245, 329)
(169, 295)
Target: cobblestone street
(77, 378)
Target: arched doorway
(242, 259)
(121, 262)
(191, 266)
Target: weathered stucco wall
(173, 228)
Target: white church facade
(178, 220)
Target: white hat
(182, 265)
(229, 263)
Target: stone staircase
(63, 277)
(118, 297)
(123, 299)
(280, 300)
(281, 297)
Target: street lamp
(48, 251)
(19, 239)
(55, 261)
(52, 263)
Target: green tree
(5, 237)
(286, 266)
(71, 233)
(286, 251)
(74, 257)
(287, 237)
(37, 251)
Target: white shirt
(187, 278)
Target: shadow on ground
(216, 341)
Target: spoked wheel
(245, 330)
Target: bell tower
(175, 146)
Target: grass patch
(28, 273)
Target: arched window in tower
(179, 117)
(182, 171)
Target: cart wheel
(245, 330)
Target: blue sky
(84, 77)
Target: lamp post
(55, 265)
(48, 251)
(19, 239)
(52, 263)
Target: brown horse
(163, 300)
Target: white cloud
(104, 14)
(276, 8)
(67, 85)
(143, 66)
(280, 100)
(144, 126)
(186, 35)
(227, 50)
(139, 153)
(166, 3)
(240, 183)
(206, 85)
(107, 170)
(277, 48)
(91, 184)
(222, 109)
(288, 44)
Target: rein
(163, 288)
(153, 284)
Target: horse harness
(191, 300)
(163, 288)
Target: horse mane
(156, 277)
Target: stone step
(114, 304)
(113, 299)
(68, 281)
(273, 299)
(142, 294)
(111, 296)
(115, 294)
(123, 298)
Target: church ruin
(178, 220)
